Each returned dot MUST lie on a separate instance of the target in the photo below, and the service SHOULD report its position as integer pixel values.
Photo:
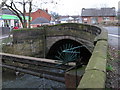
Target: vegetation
(109, 68)
(112, 68)
(21, 14)
(26, 4)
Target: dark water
(10, 80)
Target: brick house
(40, 13)
(96, 16)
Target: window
(85, 19)
(94, 20)
(6, 23)
(106, 18)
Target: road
(114, 36)
(3, 36)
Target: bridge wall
(28, 42)
(38, 41)
(4, 30)
(95, 72)
(52, 40)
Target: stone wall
(4, 30)
(37, 41)
(95, 72)
(28, 42)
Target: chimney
(83, 9)
(46, 10)
(113, 8)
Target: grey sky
(73, 7)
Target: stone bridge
(47, 41)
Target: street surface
(4, 36)
(114, 36)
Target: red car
(15, 27)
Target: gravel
(113, 75)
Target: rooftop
(98, 12)
(6, 11)
(40, 20)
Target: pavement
(3, 36)
(113, 37)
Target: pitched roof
(39, 13)
(98, 12)
(40, 20)
(64, 18)
(6, 11)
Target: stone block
(72, 78)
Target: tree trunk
(24, 12)
(30, 9)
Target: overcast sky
(73, 7)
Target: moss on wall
(33, 41)
(95, 72)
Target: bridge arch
(85, 54)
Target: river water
(10, 80)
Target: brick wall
(40, 13)
(86, 20)
(100, 19)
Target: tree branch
(17, 9)
(15, 12)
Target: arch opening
(56, 51)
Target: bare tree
(20, 14)
(30, 9)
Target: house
(39, 13)
(8, 19)
(42, 16)
(95, 16)
(70, 19)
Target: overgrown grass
(109, 67)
